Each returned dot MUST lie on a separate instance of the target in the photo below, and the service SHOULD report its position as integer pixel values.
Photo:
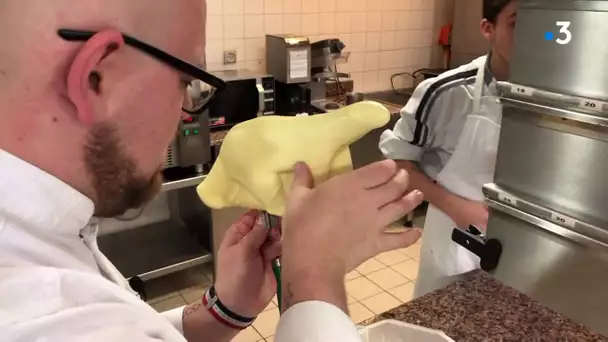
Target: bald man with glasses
(91, 93)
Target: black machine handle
(489, 251)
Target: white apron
(470, 167)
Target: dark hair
(492, 8)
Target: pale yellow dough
(255, 167)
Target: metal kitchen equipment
(326, 56)
(191, 144)
(174, 231)
(299, 91)
(548, 227)
(354, 98)
(288, 58)
(171, 234)
(292, 99)
(247, 95)
(570, 59)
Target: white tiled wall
(384, 36)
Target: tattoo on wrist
(191, 309)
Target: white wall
(384, 36)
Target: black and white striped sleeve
(425, 118)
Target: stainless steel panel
(181, 266)
(558, 163)
(172, 156)
(278, 61)
(592, 237)
(154, 250)
(221, 221)
(170, 234)
(194, 149)
(557, 272)
(568, 106)
(239, 75)
(578, 67)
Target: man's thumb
(302, 177)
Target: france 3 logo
(563, 37)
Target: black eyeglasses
(199, 91)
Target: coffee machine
(326, 56)
(302, 70)
(288, 59)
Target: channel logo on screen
(564, 35)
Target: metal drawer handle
(529, 94)
(557, 223)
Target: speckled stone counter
(480, 308)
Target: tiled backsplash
(384, 36)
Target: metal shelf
(182, 183)
(154, 250)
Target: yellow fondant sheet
(255, 166)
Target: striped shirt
(433, 119)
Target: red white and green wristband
(222, 314)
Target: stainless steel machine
(288, 58)
(191, 146)
(548, 228)
(326, 56)
(302, 71)
(174, 232)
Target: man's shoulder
(453, 78)
(35, 291)
(442, 87)
(470, 67)
(54, 302)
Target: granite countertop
(480, 308)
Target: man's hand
(245, 281)
(465, 213)
(330, 230)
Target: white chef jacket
(434, 117)
(56, 286)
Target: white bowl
(396, 331)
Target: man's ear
(487, 29)
(84, 81)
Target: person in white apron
(465, 143)
(470, 167)
(447, 140)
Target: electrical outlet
(229, 57)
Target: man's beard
(116, 184)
